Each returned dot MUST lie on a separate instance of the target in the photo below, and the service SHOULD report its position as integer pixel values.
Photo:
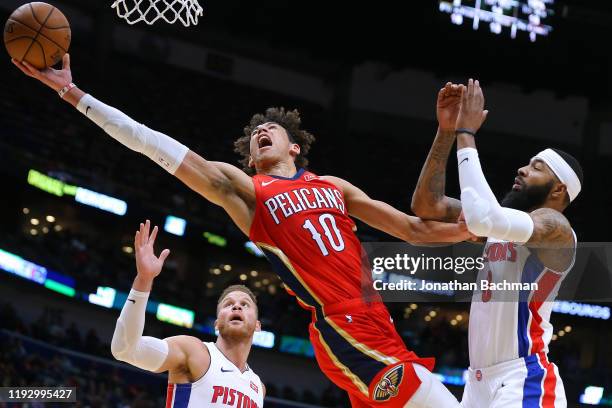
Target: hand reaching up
(147, 264)
(471, 113)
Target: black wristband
(464, 130)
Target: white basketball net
(149, 11)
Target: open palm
(55, 79)
(147, 264)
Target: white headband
(562, 170)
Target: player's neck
(551, 204)
(236, 351)
(281, 169)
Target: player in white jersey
(199, 374)
(528, 241)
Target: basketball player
(301, 221)
(199, 374)
(528, 240)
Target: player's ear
(294, 149)
(258, 326)
(559, 191)
(251, 162)
(216, 324)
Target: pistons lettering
(284, 205)
(231, 397)
(501, 251)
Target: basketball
(37, 33)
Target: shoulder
(188, 344)
(550, 228)
(346, 187)
(185, 353)
(552, 239)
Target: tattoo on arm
(552, 239)
(550, 227)
(430, 189)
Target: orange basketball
(37, 33)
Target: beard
(527, 198)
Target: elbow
(420, 207)
(428, 210)
(118, 348)
(476, 223)
(478, 229)
(116, 351)
(116, 354)
(479, 214)
(415, 205)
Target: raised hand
(471, 113)
(448, 104)
(55, 79)
(147, 264)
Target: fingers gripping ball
(37, 33)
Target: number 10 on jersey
(327, 223)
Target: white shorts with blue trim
(530, 382)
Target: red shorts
(357, 348)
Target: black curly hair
(290, 121)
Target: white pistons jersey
(509, 324)
(223, 385)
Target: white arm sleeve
(162, 149)
(483, 214)
(128, 344)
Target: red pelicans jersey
(223, 385)
(302, 225)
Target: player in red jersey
(302, 222)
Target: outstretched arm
(429, 200)
(388, 219)
(220, 183)
(128, 343)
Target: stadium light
(81, 195)
(16, 265)
(175, 315)
(54, 281)
(215, 239)
(264, 339)
(175, 225)
(104, 297)
(582, 309)
(100, 201)
(253, 249)
(592, 395)
(59, 288)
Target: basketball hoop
(149, 11)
